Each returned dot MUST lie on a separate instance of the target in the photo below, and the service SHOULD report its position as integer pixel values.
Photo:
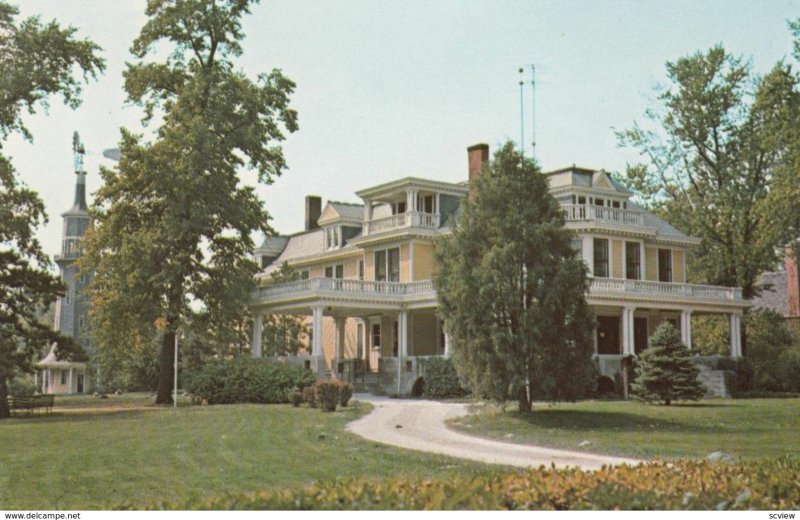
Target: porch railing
(577, 212)
(409, 219)
(710, 292)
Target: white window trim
(642, 258)
(399, 248)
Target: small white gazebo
(61, 376)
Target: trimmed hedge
(246, 380)
(441, 379)
(687, 485)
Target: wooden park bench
(28, 404)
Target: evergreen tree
(512, 289)
(666, 371)
(173, 221)
(36, 61)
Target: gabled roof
(51, 361)
(341, 211)
(272, 246)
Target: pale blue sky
(387, 89)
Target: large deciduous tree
(36, 61)
(512, 289)
(722, 150)
(173, 220)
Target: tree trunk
(5, 411)
(166, 368)
(522, 400)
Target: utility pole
(533, 111)
(521, 116)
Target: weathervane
(78, 150)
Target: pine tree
(666, 371)
(512, 289)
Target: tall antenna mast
(533, 111)
(521, 117)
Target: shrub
(441, 378)
(345, 393)
(681, 485)
(22, 386)
(296, 397)
(327, 394)
(310, 396)
(245, 380)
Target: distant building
(781, 291)
(71, 316)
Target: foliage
(710, 335)
(173, 220)
(284, 334)
(441, 379)
(310, 396)
(22, 386)
(666, 371)
(723, 153)
(345, 393)
(772, 361)
(37, 61)
(327, 394)
(296, 397)
(682, 485)
(246, 380)
(512, 290)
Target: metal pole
(533, 111)
(521, 117)
(175, 374)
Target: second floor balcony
(591, 212)
(409, 219)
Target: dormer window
(332, 237)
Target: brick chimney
(313, 211)
(792, 279)
(477, 156)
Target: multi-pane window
(376, 335)
(664, 265)
(331, 237)
(601, 257)
(360, 269)
(633, 261)
(387, 265)
(334, 271)
(63, 377)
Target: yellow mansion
(365, 275)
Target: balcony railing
(354, 287)
(578, 212)
(707, 292)
(402, 220)
(402, 291)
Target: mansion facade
(365, 271)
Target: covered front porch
(372, 333)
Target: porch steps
(714, 381)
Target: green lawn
(90, 459)
(747, 428)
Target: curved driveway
(420, 425)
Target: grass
(748, 428)
(140, 454)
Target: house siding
(423, 261)
(616, 259)
(651, 263)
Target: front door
(608, 335)
(639, 334)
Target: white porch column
(627, 331)
(736, 336)
(402, 348)
(258, 329)
(686, 328)
(340, 327)
(69, 381)
(410, 200)
(316, 332)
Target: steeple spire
(80, 185)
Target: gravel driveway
(420, 425)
